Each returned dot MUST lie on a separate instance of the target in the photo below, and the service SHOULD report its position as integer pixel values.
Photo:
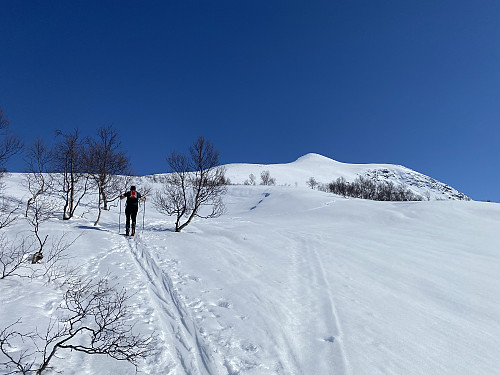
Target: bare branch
(105, 162)
(68, 163)
(93, 320)
(38, 159)
(9, 145)
(7, 213)
(13, 256)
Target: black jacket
(132, 203)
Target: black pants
(131, 212)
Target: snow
(325, 170)
(290, 281)
(298, 172)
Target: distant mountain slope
(325, 170)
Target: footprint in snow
(224, 304)
(249, 347)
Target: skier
(132, 206)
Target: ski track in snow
(340, 347)
(194, 354)
(306, 274)
(119, 256)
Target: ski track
(189, 351)
(305, 262)
(346, 368)
(193, 353)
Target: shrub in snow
(266, 179)
(366, 188)
(312, 183)
(92, 318)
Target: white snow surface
(289, 281)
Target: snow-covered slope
(289, 281)
(325, 170)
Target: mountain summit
(325, 170)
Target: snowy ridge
(326, 170)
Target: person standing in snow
(131, 207)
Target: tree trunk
(100, 210)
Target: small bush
(266, 178)
(366, 188)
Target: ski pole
(120, 217)
(143, 215)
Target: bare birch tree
(38, 160)
(73, 182)
(105, 163)
(195, 185)
(266, 179)
(9, 144)
(312, 183)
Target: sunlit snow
(290, 281)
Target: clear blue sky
(415, 83)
